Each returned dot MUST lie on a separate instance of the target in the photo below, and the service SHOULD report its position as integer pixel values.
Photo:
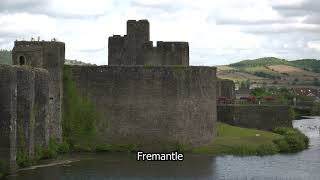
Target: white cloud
(219, 32)
(314, 45)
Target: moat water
(304, 165)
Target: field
(273, 72)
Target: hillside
(5, 57)
(272, 71)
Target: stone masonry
(135, 48)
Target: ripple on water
(303, 165)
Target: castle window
(22, 60)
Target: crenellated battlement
(135, 48)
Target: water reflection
(303, 165)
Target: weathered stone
(135, 48)
(265, 117)
(41, 102)
(49, 55)
(152, 106)
(25, 110)
(8, 115)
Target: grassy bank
(233, 140)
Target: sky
(218, 31)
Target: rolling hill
(271, 71)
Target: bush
(63, 148)
(51, 151)
(38, 152)
(296, 143)
(23, 159)
(282, 145)
(83, 148)
(293, 140)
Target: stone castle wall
(23, 111)
(8, 114)
(151, 105)
(265, 117)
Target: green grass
(233, 140)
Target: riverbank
(232, 140)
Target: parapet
(24, 44)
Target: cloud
(219, 32)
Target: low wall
(151, 105)
(264, 117)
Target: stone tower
(49, 55)
(135, 48)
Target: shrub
(103, 148)
(23, 159)
(63, 148)
(83, 147)
(52, 150)
(295, 143)
(293, 140)
(266, 149)
(282, 145)
(38, 152)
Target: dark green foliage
(117, 148)
(293, 140)
(63, 148)
(38, 152)
(266, 75)
(316, 109)
(266, 61)
(103, 147)
(23, 159)
(79, 116)
(3, 168)
(5, 57)
(306, 64)
(51, 151)
(281, 94)
(282, 145)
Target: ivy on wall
(79, 115)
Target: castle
(146, 95)
(135, 48)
